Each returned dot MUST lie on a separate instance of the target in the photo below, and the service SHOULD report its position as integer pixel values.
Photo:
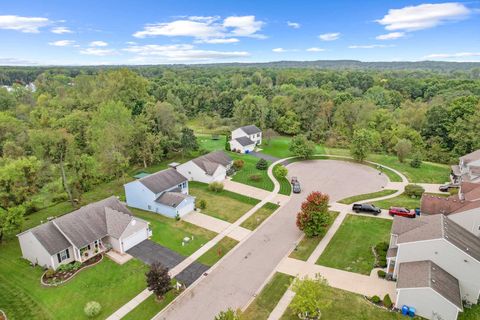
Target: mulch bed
(2, 315)
(60, 277)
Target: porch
(91, 250)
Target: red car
(403, 212)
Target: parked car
(365, 207)
(296, 187)
(294, 180)
(402, 212)
(446, 187)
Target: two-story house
(468, 168)
(208, 168)
(245, 139)
(164, 192)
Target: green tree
(11, 220)
(300, 146)
(403, 149)
(313, 219)
(309, 298)
(361, 144)
(230, 314)
(188, 141)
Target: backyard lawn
(259, 216)
(402, 201)
(278, 147)
(344, 305)
(351, 247)
(366, 196)
(247, 173)
(150, 307)
(218, 251)
(206, 142)
(225, 205)
(307, 245)
(268, 298)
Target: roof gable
(244, 141)
(211, 161)
(251, 129)
(172, 199)
(163, 180)
(50, 238)
(472, 156)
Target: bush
(215, 186)
(238, 164)
(202, 204)
(280, 171)
(262, 164)
(255, 177)
(416, 161)
(414, 190)
(314, 217)
(381, 274)
(177, 217)
(76, 265)
(92, 309)
(387, 302)
(376, 299)
(50, 272)
(231, 171)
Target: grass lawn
(268, 298)
(367, 196)
(225, 205)
(278, 147)
(306, 246)
(169, 232)
(470, 314)
(403, 201)
(206, 142)
(259, 216)
(350, 247)
(218, 251)
(344, 305)
(150, 307)
(248, 170)
(285, 185)
(22, 296)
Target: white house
(164, 192)
(207, 168)
(468, 168)
(245, 139)
(451, 268)
(82, 234)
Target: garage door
(134, 239)
(186, 209)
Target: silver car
(296, 187)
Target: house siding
(427, 303)
(194, 173)
(470, 220)
(234, 145)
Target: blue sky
(163, 32)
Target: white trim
(431, 289)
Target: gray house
(468, 168)
(84, 233)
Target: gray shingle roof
(51, 239)
(172, 199)
(426, 274)
(210, 161)
(244, 141)
(251, 129)
(472, 156)
(163, 180)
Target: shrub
(76, 265)
(50, 272)
(416, 161)
(238, 164)
(376, 299)
(231, 171)
(255, 177)
(414, 190)
(177, 217)
(314, 217)
(202, 204)
(228, 315)
(387, 302)
(215, 186)
(262, 164)
(280, 171)
(92, 309)
(158, 279)
(381, 274)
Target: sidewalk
(215, 225)
(253, 192)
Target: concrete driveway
(239, 276)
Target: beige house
(468, 168)
(82, 234)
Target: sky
(91, 32)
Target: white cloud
(370, 46)
(62, 43)
(452, 55)
(23, 24)
(98, 52)
(391, 36)
(279, 50)
(218, 40)
(315, 49)
(423, 16)
(245, 26)
(98, 44)
(329, 36)
(16, 62)
(61, 30)
(294, 25)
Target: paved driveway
(150, 252)
(237, 278)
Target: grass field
(285, 185)
(350, 247)
(307, 245)
(206, 142)
(259, 216)
(402, 201)
(218, 251)
(268, 298)
(278, 147)
(470, 314)
(150, 307)
(344, 305)
(225, 205)
(366, 196)
(244, 175)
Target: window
(63, 255)
(184, 185)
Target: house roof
(163, 180)
(172, 199)
(472, 156)
(50, 237)
(470, 193)
(244, 141)
(436, 227)
(251, 129)
(210, 161)
(426, 274)
(456, 170)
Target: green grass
(170, 233)
(206, 142)
(285, 185)
(350, 247)
(218, 251)
(278, 147)
(259, 216)
(402, 201)
(307, 245)
(249, 169)
(470, 314)
(344, 305)
(150, 307)
(367, 196)
(265, 302)
(22, 296)
(225, 205)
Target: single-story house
(468, 168)
(164, 192)
(207, 168)
(245, 139)
(83, 233)
(463, 208)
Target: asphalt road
(233, 283)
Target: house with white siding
(164, 192)
(468, 168)
(207, 168)
(245, 139)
